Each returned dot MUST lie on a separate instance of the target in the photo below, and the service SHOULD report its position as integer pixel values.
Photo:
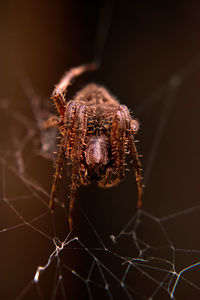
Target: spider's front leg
(132, 128)
(73, 131)
(115, 173)
(67, 131)
(77, 144)
(67, 113)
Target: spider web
(142, 261)
(153, 253)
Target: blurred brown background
(148, 42)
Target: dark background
(148, 42)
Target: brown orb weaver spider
(97, 133)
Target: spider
(97, 133)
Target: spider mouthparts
(96, 153)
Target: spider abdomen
(94, 94)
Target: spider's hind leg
(45, 135)
(60, 90)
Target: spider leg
(74, 132)
(57, 175)
(71, 130)
(66, 146)
(36, 102)
(118, 143)
(72, 195)
(132, 127)
(81, 137)
(118, 149)
(137, 167)
(121, 142)
(60, 90)
(76, 118)
(77, 148)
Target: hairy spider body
(96, 135)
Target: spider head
(96, 153)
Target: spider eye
(134, 126)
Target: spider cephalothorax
(97, 134)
